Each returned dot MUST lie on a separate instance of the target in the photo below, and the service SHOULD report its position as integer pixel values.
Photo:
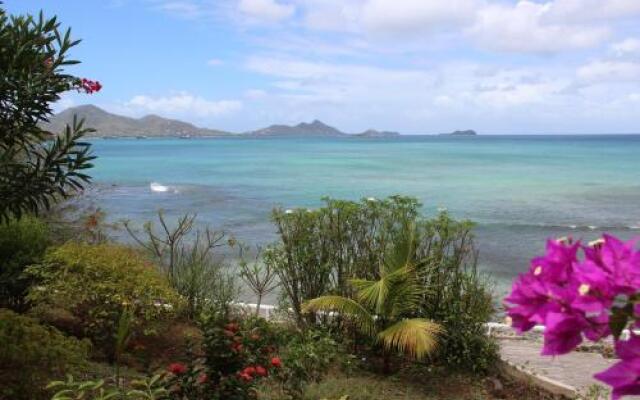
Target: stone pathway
(569, 375)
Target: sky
(414, 66)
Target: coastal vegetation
(375, 299)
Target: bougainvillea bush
(583, 292)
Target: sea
(520, 190)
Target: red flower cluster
(177, 368)
(250, 372)
(89, 86)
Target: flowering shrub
(590, 297)
(38, 167)
(238, 355)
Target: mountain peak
(314, 128)
(108, 124)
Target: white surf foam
(158, 187)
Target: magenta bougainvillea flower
(592, 297)
(624, 376)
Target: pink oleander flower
(624, 376)
(89, 86)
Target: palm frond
(415, 337)
(405, 296)
(373, 294)
(346, 307)
(403, 250)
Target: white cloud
(634, 97)
(183, 104)
(630, 46)
(416, 16)
(266, 10)
(332, 15)
(66, 101)
(609, 71)
(582, 11)
(522, 28)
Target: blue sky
(415, 66)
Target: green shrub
(31, 354)
(319, 251)
(86, 288)
(457, 296)
(152, 388)
(22, 242)
(307, 357)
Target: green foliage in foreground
(145, 389)
(384, 308)
(321, 251)
(36, 167)
(31, 354)
(307, 358)
(22, 243)
(86, 288)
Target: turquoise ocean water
(519, 189)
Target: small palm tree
(382, 308)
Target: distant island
(108, 125)
(468, 132)
(376, 134)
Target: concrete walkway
(570, 375)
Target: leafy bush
(22, 242)
(321, 251)
(86, 288)
(31, 354)
(383, 309)
(237, 356)
(457, 296)
(144, 389)
(307, 357)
